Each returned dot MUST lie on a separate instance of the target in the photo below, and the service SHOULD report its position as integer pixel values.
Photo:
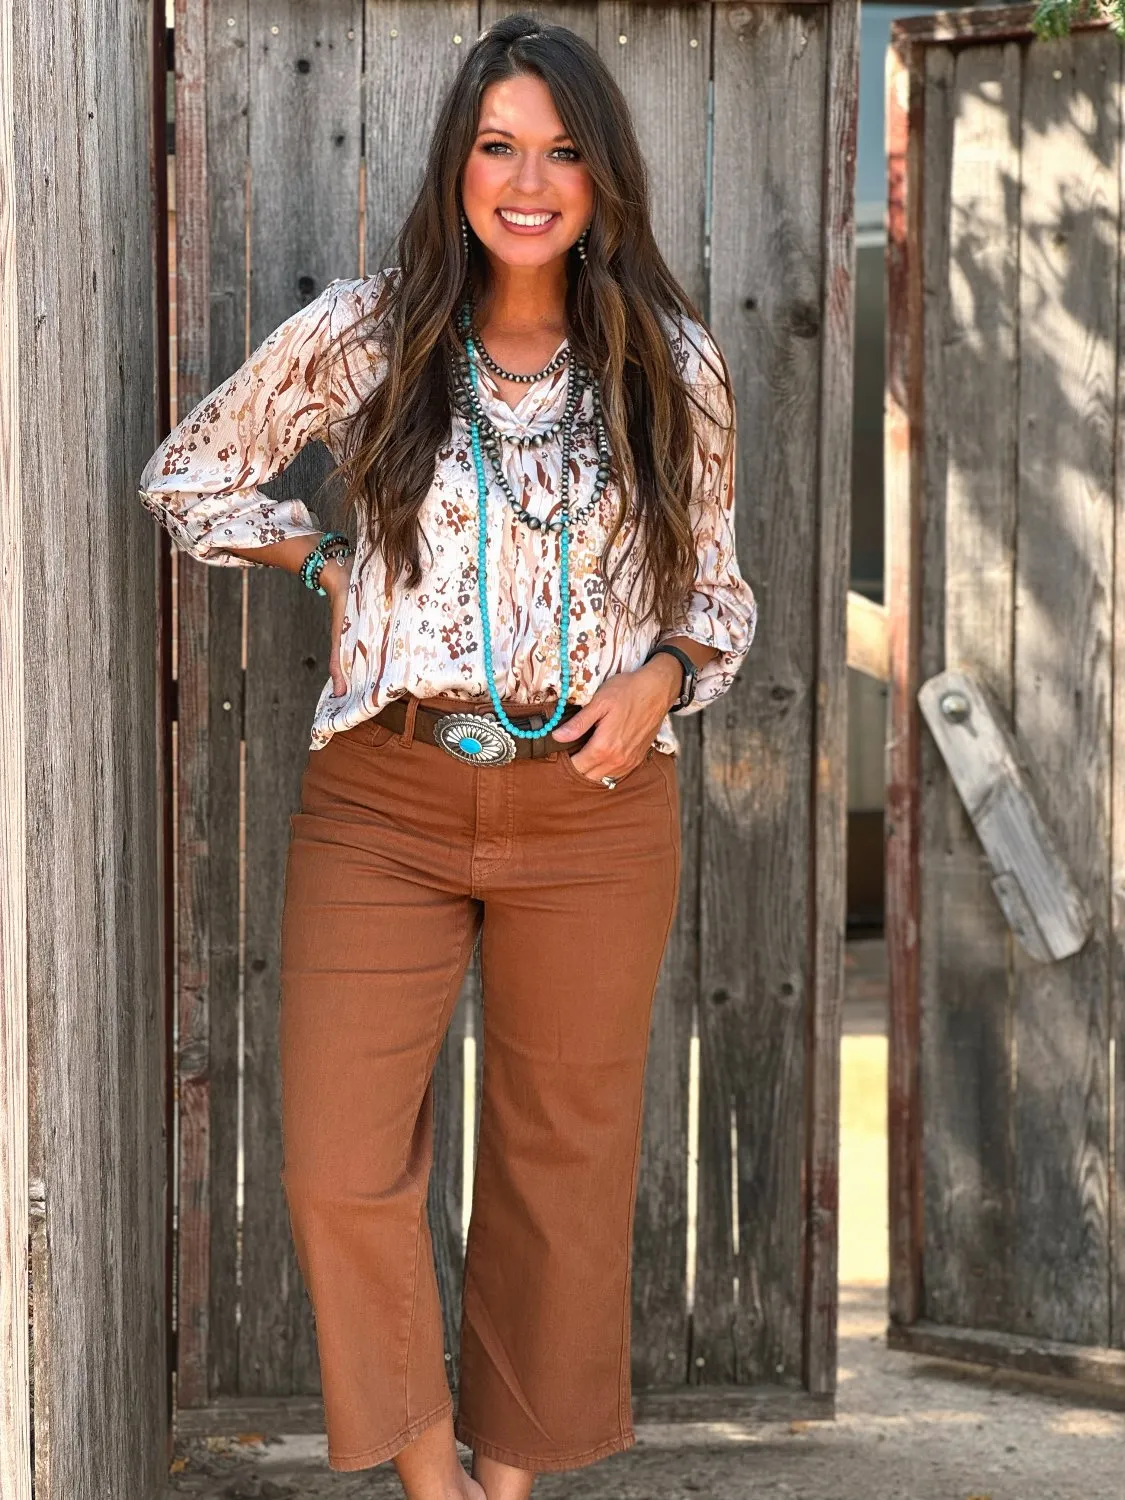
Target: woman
(536, 434)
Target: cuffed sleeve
(202, 483)
(721, 610)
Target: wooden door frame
(905, 438)
(827, 788)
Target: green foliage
(1055, 17)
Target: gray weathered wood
(756, 981)
(981, 24)
(1001, 388)
(216, 673)
(1070, 203)
(828, 850)
(1103, 1369)
(278, 1416)
(794, 257)
(212, 95)
(903, 478)
(413, 51)
(1035, 889)
(210, 296)
(971, 248)
(414, 47)
(95, 1011)
(665, 80)
(305, 70)
(15, 1390)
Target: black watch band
(687, 687)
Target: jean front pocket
(369, 735)
(573, 774)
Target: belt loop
(411, 715)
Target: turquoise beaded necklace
(468, 743)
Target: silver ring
(609, 781)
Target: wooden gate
(1007, 559)
(300, 129)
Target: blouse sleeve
(721, 610)
(202, 483)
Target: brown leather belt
(426, 720)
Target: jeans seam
(459, 961)
(472, 1439)
(405, 1434)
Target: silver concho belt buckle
(476, 739)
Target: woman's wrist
(335, 575)
(331, 546)
(666, 670)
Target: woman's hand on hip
(626, 712)
(335, 581)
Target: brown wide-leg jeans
(400, 855)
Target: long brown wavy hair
(616, 302)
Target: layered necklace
(475, 737)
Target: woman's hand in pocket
(335, 581)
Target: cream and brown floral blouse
(203, 484)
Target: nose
(529, 175)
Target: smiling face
(526, 193)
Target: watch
(687, 688)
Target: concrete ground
(907, 1428)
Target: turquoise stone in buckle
(477, 739)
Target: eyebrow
(497, 130)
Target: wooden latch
(1033, 883)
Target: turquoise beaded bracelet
(331, 544)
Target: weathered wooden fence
(300, 129)
(84, 1078)
(1006, 400)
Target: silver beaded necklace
(489, 363)
(579, 379)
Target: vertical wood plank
(664, 70)
(197, 1272)
(970, 312)
(1063, 641)
(212, 694)
(412, 54)
(903, 448)
(828, 854)
(413, 51)
(57, 362)
(15, 1389)
(766, 288)
(135, 360)
(95, 1013)
(305, 76)
(211, 159)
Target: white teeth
(537, 220)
